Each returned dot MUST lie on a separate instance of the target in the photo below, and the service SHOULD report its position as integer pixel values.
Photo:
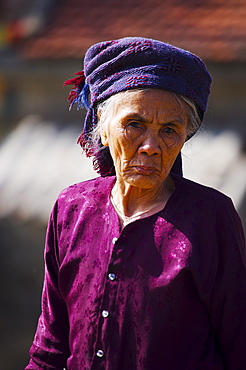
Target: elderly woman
(144, 269)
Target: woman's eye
(135, 124)
(168, 130)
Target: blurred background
(42, 43)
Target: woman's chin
(143, 181)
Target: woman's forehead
(148, 102)
(141, 97)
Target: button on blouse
(111, 276)
(105, 313)
(100, 353)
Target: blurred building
(42, 43)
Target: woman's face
(145, 134)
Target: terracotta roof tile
(214, 29)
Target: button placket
(111, 276)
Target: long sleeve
(50, 348)
(228, 303)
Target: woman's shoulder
(204, 205)
(89, 188)
(192, 191)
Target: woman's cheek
(176, 142)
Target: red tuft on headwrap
(78, 83)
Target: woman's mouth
(145, 170)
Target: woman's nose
(150, 146)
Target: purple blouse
(166, 292)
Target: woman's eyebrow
(140, 118)
(173, 120)
(136, 116)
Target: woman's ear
(104, 138)
(103, 134)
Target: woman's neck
(130, 201)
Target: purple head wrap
(130, 63)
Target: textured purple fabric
(178, 300)
(133, 62)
